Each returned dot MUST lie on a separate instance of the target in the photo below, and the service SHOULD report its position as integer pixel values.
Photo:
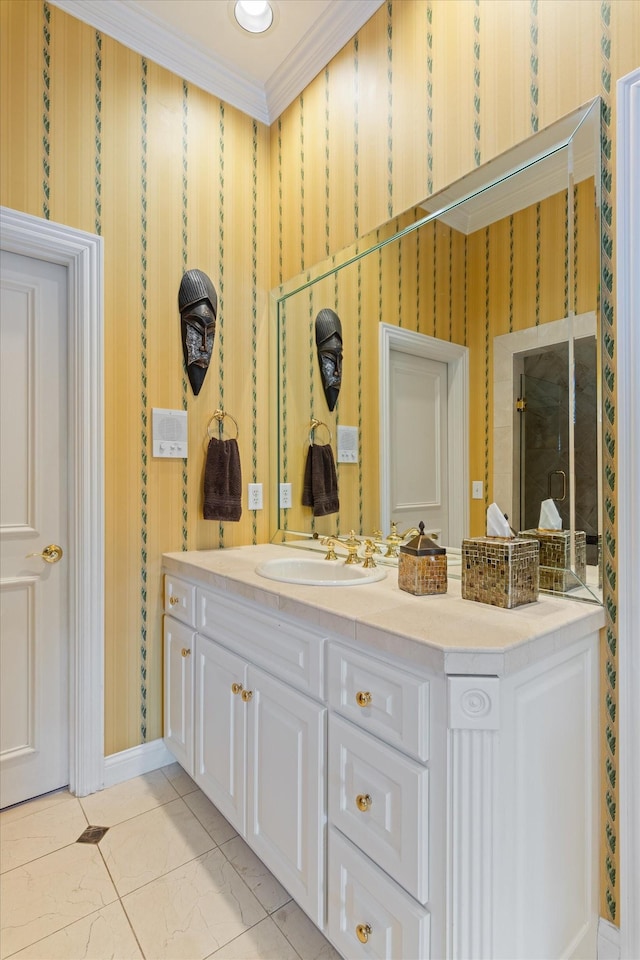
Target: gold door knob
(363, 801)
(363, 932)
(186, 652)
(236, 688)
(50, 554)
(174, 600)
(363, 698)
(246, 695)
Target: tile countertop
(443, 633)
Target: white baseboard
(127, 764)
(608, 940)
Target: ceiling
(200, 41)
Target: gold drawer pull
(186, 652)
(236, 688)
(363, 932)
(246, 695)
(363, 802)
(363, 698)
(174, 600)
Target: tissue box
(499, 571)
(555, 559)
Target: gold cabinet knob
(174, 600)
(363, 802)
(363, 698)
(185, 652)
(363, 932)
(246, 695)
(236, 688)
(50, 554)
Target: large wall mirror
(471, 335)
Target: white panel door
(418, 443)
(34, 699)
(179, 647)
(220, 729)
(285, 789)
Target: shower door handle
(561, 473)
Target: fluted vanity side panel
(474, 722)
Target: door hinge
(521, 404)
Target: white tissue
(550, 519)
(497, 523)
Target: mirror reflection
(470, 362)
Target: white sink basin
(317, 572)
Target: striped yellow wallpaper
(95, 136)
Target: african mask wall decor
(329, 344)
(198, 305)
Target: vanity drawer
(365, 903)
(380, 799)
(382, 699)
(180, 599)
(291, 651)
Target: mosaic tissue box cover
(501, 572)
(555, 558)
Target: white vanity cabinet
(257, 746)
(419, 799)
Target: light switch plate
(476, 490)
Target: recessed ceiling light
(256, 16)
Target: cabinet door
(178, 686)
(220, 729)
(285, 789)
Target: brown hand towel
(320, 485)
(222, 481)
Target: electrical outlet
(254, 496)
(285, 495)
(476, 490)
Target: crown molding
(336, 26)
(150, 38)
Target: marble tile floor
(169, 878)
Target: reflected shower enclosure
(544, 437)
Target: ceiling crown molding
(336, 26)
(149, 37)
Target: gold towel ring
(318, 423)
(220, 415)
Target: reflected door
(418, 443)
(34, 700)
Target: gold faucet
(351, 543)
(369, 550)
(394, 539)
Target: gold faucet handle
(378, 538)
(353, 545)
(329, 542)
(393, 541)
(369, 550)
